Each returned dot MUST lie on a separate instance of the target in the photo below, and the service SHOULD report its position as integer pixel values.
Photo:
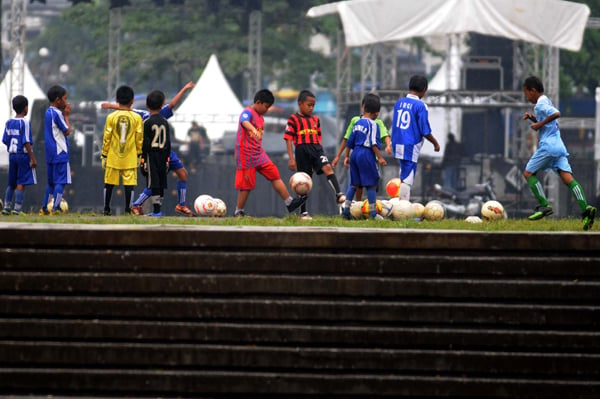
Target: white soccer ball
(64, 205)
(386, 208)
(221, 207)
(418, 209)
(205, 205)
(301, 183)
(473, 219)
(402, 210)
(356, 209)
(434, 210)
(492, 210)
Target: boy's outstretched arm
(177, 98)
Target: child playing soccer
(21, 162)
(551, 154)
(155, 150)
(410, 128)
(364, 141)
(304, 131)
(250, 156)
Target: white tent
(547, 22)
(31, 90)
(211, 103)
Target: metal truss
(254, 53)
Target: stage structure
(377, 31)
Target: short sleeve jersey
(365, 134)
(549, 133)
(17, 133)
(122, 140)
(410, 124)
(249, 152)
(382, 129)
(165, 111)
(303, 129)
(56, 143)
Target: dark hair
(124, 95)
(55, 92)
(305, 94)
(418, 83)
(371, 103)
(19, 103)
(155, 100)
(533, 82)
(264, 96)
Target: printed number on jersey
(403, 121)
(160, 136)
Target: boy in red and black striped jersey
(250, 156)
(304, 131)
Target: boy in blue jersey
(364, 141)
(551, 154)
(56, 137)
(410, 128)
(21, 161)
(175, 163)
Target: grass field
(547, 224)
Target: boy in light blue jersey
(551, 154)
(410, 128)
(364, 141)
(21, 161)
(56, 137)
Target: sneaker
(305, 216)
(540, 212)
(588, 217)
(155, 214)
(6, 211)
(107, 212)
(184, 210)
(16, 213)
(43, 212)
(137, 210)
(346, 213)
(296, 203)
(340, 197)
(240, 214)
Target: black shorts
(157, 170)
(310, 157)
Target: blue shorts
(20, 171)
(408, 170)
(174, 161)
(544, 159)
(363, 168)
(59, 173)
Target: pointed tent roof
(31, 90)
(211, 103)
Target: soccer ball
(386, 208)
(64, 205)
(205, 205)
(220, 207)
(393, 187)
(418, 209)
(434, 210)
(473, 219)
(492, 210)
(356, 209)
(365, 207)
(402, 210)
(301, 183)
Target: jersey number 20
(160, 136)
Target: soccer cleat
(305, 216)
(346, 213)
(155, 214)
(588, 217)
(340, 197)
(296, 203)
(377, 217)
(56, 212)
(43, 212)
(6, 211)
(540, 212)
(17, 213)
(240, 214)
(107, 212)
(137, 210)
(184, 210)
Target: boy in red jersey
(250, 156)
(304, 131)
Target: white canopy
(211, 103)
(31, 90)
(547, 22)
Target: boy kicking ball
(551, 154)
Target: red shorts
(245, 179)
